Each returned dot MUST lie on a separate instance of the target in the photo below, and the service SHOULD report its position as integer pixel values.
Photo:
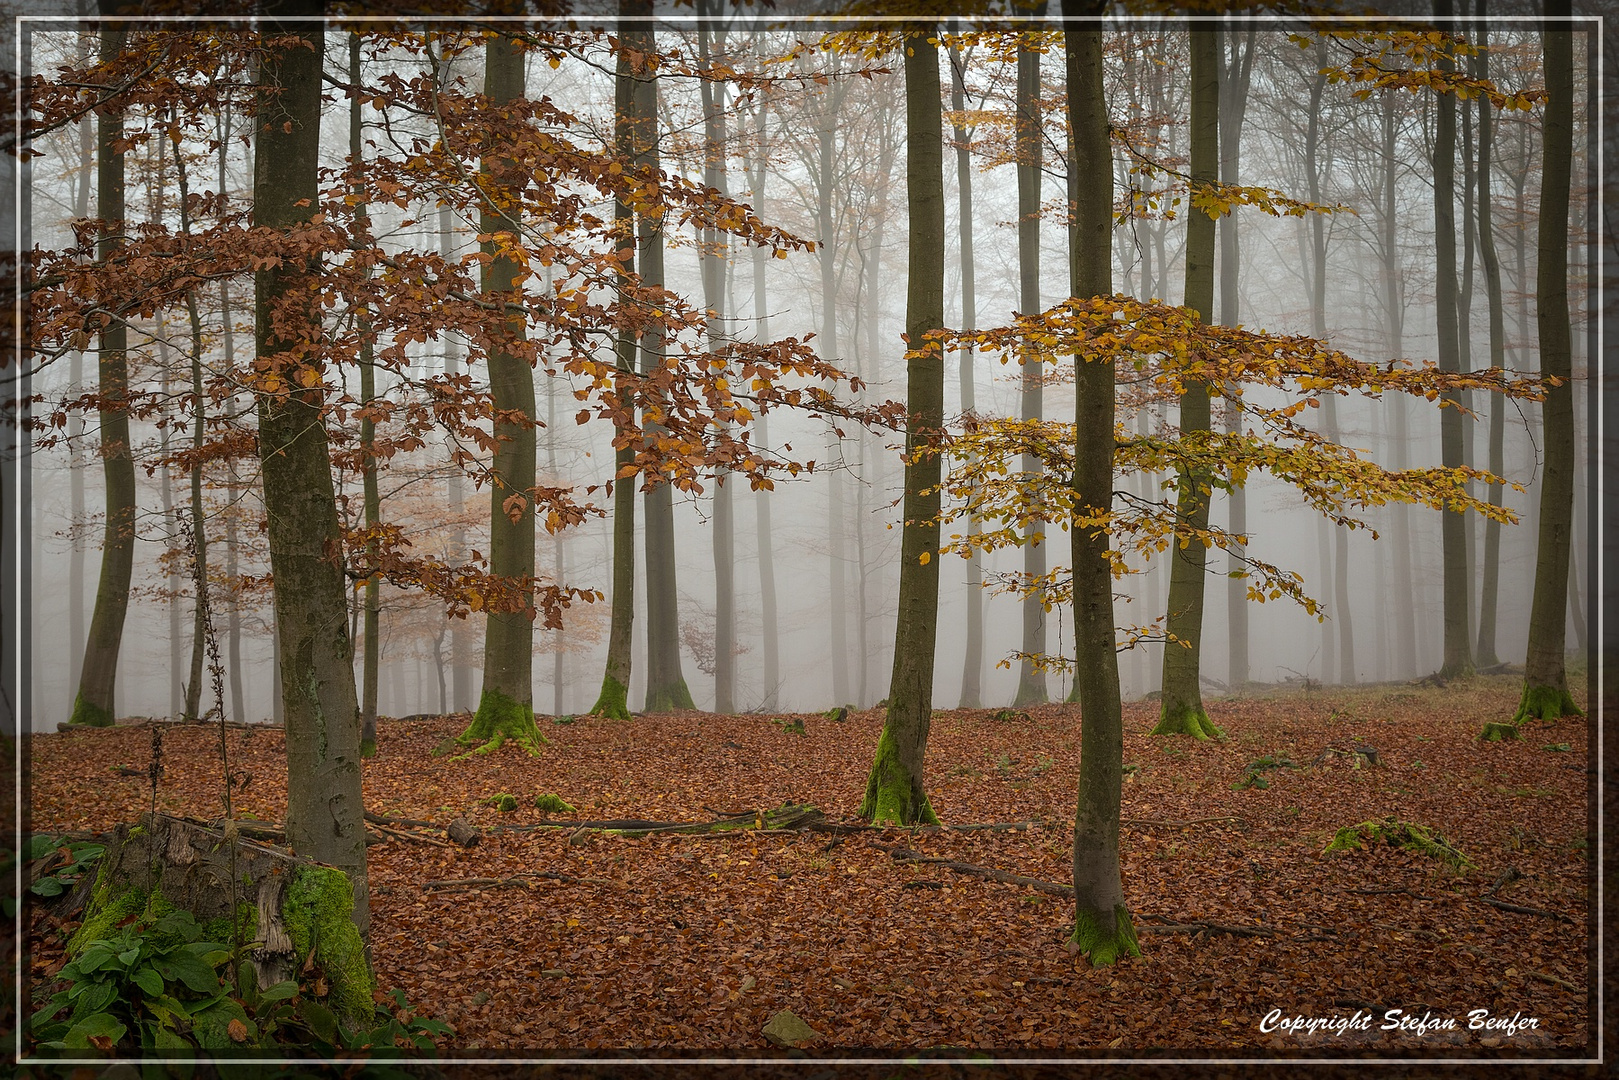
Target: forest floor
(689, 941)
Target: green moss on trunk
(498, 719)
(1191, 721)
(368, 748)
(1545, 703)
(613, 701)
(669, 698)
(1104, 936)
(317, 911)
(90, 714)
(893, 795)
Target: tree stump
(293, 909)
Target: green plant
(791, 727)
(146, 987)
(563, 719)
(75, 857)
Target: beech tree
(99, 672)
(1545, 689)
(894, 792)
(324, 808)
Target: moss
(89, 714)
(368, 748)
(552, 804)
(503, 802)
(669, 698)
(1498, 732)
(105, 912)
(892, 797)
(1190, 720)
(501, 718)
(221, 930)
(1103, 937)
(1545, 703)
(318, 913)
(613, 701)
(1402, 834)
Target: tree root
(1521, 909)
(515, 881)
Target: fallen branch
(1553, 979)
(1177, 824)
(1204, 929)
(514, 880)
(1521, 909)
(904, 854)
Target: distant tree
(1182, 711)
(94, 703)
(506, 705)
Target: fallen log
(1521, 909)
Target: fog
(857, 479)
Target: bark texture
(1103, 929)
(894, 792)
(99, 671)
(321, 712)
(1545, 679)
(506, 704)
(1182, 708)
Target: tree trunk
(1182, 706)
(506, 705)
(227, 324)
(1405, 637)
(1341, 623)
(1234, 82)
(613, 701)
(715, 258)
(368, 430)
(460, 643)
(827, 346)
(1545, 687)
(1031, 672)
(94, 703)
(1489, 594)
(317, 658)
(894, 792)
(1458, 656)
(1103, 929)
(76, 456)
(665, 685)
(972, 671)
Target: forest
(1038, 532)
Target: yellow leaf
(925, 558)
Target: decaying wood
(1206, 929)
(193, 865)
(517, 880)
(464, 833)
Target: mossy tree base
(1102, 937)
(894, 796)
(1191, 721)
(669, 698)
(501, 719)
(90, 714)
(1499, 732)
(1544, 703)
(296, 907)
(368, 748)
(614, 700)
(1402, 834)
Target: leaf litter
(543, 938)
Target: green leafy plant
(76, 859)
(154, 987)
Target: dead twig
(1206, 929)
(1161, 823)
(904, 854)
(1522, 910)
(515, 880)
